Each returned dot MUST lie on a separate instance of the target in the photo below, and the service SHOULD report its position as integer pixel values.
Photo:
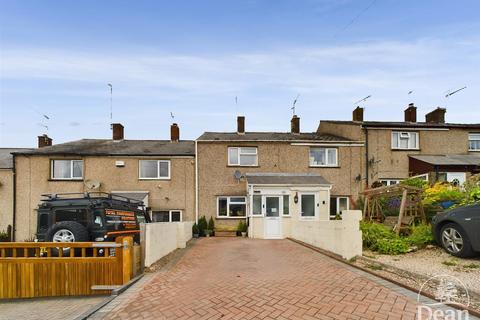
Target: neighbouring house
(6, 187)
(159, 172)
(394, 151)
(275, 178)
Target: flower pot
(244, 234)
(196, 235)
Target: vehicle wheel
(66, 231)
(455, 241)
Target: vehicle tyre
(66, 231)
(455, 241)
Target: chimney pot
(174, 133)
(117, 131)
(44, 141)
(357, 114)
(411, 113)
(241, 125)
(295, 124)
(436, 116)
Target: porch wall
(342, 237)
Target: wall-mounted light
(295, 199)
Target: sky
(208, 61)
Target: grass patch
(471, 266)
(374, 266)
(449, 263)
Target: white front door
(273, 220)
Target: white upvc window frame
(228, 207)
(337, 206)
(158, 177)
(396, 145)
(52, 169)
(474, 136)
(315, 210)
(239, 156)
(327, 151)
(390, 182)
(170, 214)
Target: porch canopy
(287, 179)
(420, 164)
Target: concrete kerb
(387, 282)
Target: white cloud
(329, 80)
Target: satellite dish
(92, 184)
(237, 175)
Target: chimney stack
(241, 125)
(411, 113)
(117, 130)
(174, 133)
(357, 114)
(436, 116)
(295, 124)
(44, 141)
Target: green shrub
(4, 236)
(202, 225)
(195, 229)
(242, 226)
(420, 235)
(373, 232)
(211, 224)
(415, 182)
(392, 246)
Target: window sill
(473, 150)
(311, 166)
(240, 166)
(230, 218)
(396, 149)
(154, 179)
(65, 180)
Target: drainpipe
(196, 182)
(366, 158)
(14, 218)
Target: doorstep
(225, 233)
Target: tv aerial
(451, 93)
(295, 103)
(363, 100)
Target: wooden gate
(45, 269)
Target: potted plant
(211, 226)
(242, 228)
(202, 226)
(208, 233)
(195, 231)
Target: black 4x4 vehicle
(77, 217)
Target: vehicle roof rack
(90, 195)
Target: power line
(356, 17)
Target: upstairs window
(154, 169)
(67, 169)
(405, 140)
(323, 157)
(474, 142)
(242, 156)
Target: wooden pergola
(410, 205)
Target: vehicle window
(43, 221)
(78, 215)
(141, 217)
(98, 220)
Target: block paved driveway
(235, 278)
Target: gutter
(14, 216)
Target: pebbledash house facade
(275, 178)
(159, 172)
(271, 180)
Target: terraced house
(276, 178)
(393, 151)
(159, 172)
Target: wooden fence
(45, 269)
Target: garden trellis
(410, 204)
